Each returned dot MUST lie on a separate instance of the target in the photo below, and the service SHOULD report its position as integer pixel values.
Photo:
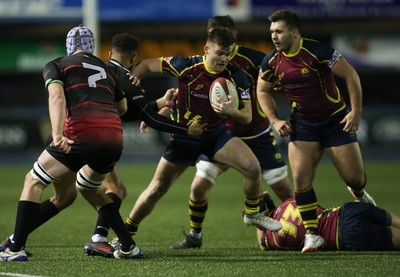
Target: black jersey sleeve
(138, 108)
(52, 73)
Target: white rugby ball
(221, 88)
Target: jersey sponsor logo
(296, 85)
(137, 97)
(199, 95)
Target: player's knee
(208, 171)
(252, 168)
(38, 173)
(83, 182)
(357, 182)
(273, 176)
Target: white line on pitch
(18, 274)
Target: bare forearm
(355, 93)
(268, 105)
(146, 66)
(244, 115)
(56, 110)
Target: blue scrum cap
(80, 38)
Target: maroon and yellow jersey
(90, 90)
(195, 79)
(306, 77)
(249, 61)
(291, 236)
(328, 224)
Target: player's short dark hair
(125, 43)
(291, 18)
(222, 21)
(222, 37)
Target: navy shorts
(187, 149)
(364, 227)
(329, 132)
(101, 156)
(265, 149)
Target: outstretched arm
(144, 67)
(147, 112)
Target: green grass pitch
(229, 247)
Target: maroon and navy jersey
(307, 78)
(195, 79)
(291, 236)
(249, 61)
(90, 90)
(328, 224)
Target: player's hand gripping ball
(220, 89)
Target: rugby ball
(221, 88)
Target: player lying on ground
(352, 226)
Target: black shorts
(186, 150)
(101, 156)
(364, 227)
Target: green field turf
(229, 247)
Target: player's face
(217, 57)
(281, 36)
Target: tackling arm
(144, 67)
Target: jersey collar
(235, 50)
(294, 53)
(207, 67)
(116, 63)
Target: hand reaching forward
(196, 128)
